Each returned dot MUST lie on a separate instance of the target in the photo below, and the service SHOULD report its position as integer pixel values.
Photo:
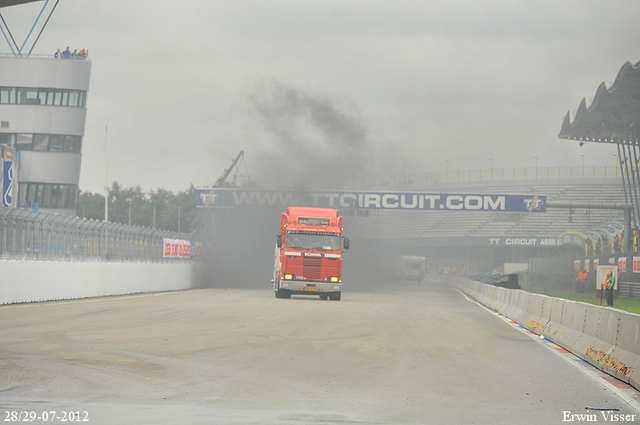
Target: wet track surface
(407, 354)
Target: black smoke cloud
(306, 142)
(312, 142)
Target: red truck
(308, 256)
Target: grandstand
(556, 221)
(484, 241)
(554, 243)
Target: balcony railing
(497, 174)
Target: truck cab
(308, 253)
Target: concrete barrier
(607, 338)
(29, 281)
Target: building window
(42, 96)
(6, 139)
(42, 142)
(56, 143)
(28, 97)
(24, 142)
(47, 195)
(72, 143)
(7, 95)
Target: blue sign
(8, 183)
(488, 241)
(235, 198)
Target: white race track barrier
(607, 338)
(29, 281)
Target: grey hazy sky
(333, 90)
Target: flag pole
(106, 175)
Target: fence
(31, 235)
(497, 174)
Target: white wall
(28, 281)
(45, 72)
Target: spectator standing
(608, 285)
(581, 280)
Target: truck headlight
(334, 279)
(288, 276)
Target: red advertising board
(177, 248)
(622, 264)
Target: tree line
(159, 209)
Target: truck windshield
(313, 240)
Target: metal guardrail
(30, 235)
(497, 174)
(37, 56)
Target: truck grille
(317, 269)
(312, 268)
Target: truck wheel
(335, 296)
(324, 297)
(282, 294)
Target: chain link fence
(31, 235)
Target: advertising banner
(636, 264)
(197, 250)
(234, 198)
(587, 263)
(481, 241)
(622, 264)
(9, 179)
(602, 274)
(176, 248)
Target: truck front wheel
(282, 294)
(335, 296)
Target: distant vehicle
(410, 267)
(308, 255)
(509, 281)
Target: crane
(225, 174)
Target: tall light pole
(447, 161)
(491, 169)
(582, 157)
(536, 157)
(129, 201)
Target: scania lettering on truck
(308, 256)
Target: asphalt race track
(406, 353)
